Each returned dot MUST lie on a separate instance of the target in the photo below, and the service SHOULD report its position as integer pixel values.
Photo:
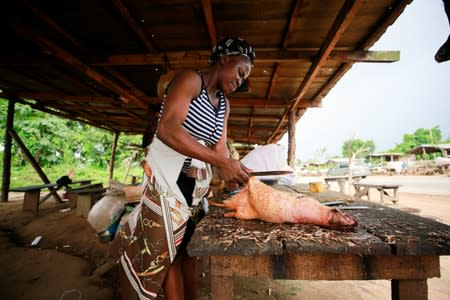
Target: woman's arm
(221, 148)
(186, 86)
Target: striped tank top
(203, 120)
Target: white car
(358, 169)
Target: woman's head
(234, 57)
(231, 46)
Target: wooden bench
(363, 189)
(82, 182)
(84, 197)
(32, 197)
(341, 179)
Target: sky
(383, 101)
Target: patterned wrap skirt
(148, 242)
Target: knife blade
(351, 207)
(266, 173)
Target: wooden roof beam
(262, 102)
(250, 140)
(124, 11)
(53, 25)
(75, 81)
(76, 63)
(78, 107)
(253, 128)
(293, 19)
(372, 37)
(47, 97)
(270, 118)
(272, 80)
(134, 25)
(63, 114)
(263, 55)
(58, 97)
(207, 10)
(365, 56)
(341, 23)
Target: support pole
(294, 116)
(291, 139)
(113, 155)
(6, 173)
(33, 161)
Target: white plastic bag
(102, 213)
(271, 157)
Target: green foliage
(420, 136)
(359, 147)
(61, 144)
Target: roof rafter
(75, 62)
(124, 11)
(264, 55)
(372, 37)
(293, 19)
(134, 25)
(341, 22)
(207, 10)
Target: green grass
(24, 176)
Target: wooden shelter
(99, 62)
(386, 156)
(444, 149)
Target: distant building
(444, 149)
(386, 156)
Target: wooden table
(32, 194)
(363, 189)
(341, 180)
(387, 244)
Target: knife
(265, 173)
(351, 207)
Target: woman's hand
(234, 170)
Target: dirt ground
(70, 262)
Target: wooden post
(294, 116)
(7, 152)
(32, 161)
(113, 155)
(291, 140)
(29, 156)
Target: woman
(191, 136)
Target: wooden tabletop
(381, 231)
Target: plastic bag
(271, 157)
(102, 213)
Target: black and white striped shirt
(204, 121)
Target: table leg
(381, 195)
(409, 289)
(31, 200)
(221, 287)
(53, 192)
(341, 183)
(395, 200)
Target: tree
(421, 136)
(53, 140)
(358, 149)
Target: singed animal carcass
(260, 201)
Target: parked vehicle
(342, 169)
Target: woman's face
(235, 69)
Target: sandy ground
(67, 264)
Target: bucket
(316, 187)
